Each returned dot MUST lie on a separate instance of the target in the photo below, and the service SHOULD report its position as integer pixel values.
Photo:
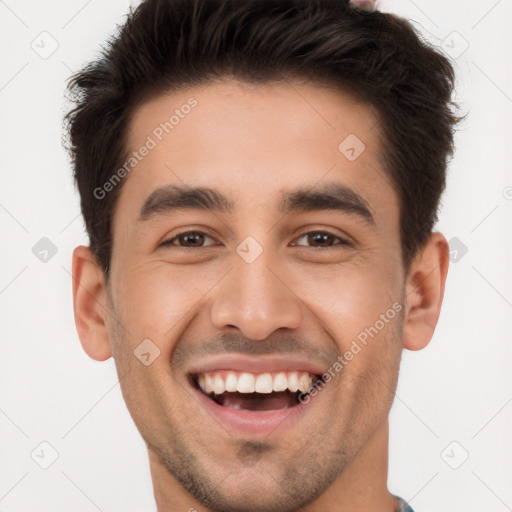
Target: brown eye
(188, 239)
(321, 239)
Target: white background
(459, 389)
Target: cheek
(156, 298)
(359, 307)
(349, 298)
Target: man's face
(277, 277)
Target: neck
(362, 486)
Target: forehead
(255, 142)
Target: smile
(255, 391)
(256, 396)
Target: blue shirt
(402, 506)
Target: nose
(256, 299)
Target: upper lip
(241, 363)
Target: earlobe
(424, 292)
(89, 304)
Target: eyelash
(342, 242)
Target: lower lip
(261, 423)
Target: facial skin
(302, 300)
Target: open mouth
(255, 391)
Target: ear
(90, 304)
(424, 292)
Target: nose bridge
(254, 297)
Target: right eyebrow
(166, 199)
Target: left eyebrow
(331, 196)
(166, 199)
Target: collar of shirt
(401, 505)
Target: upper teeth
(245, 382)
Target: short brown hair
(168, 44)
